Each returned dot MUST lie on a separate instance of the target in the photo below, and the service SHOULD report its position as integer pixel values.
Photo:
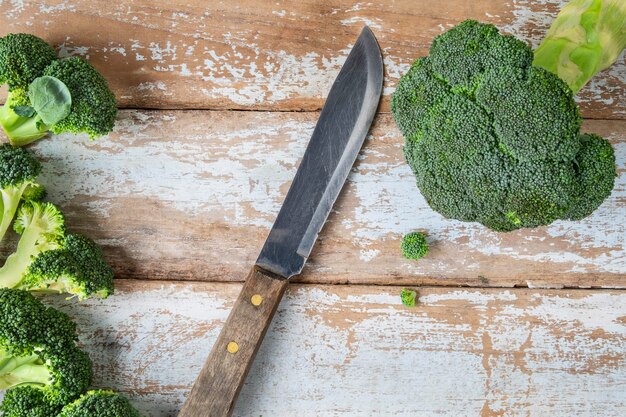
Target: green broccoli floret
(77, 268)
(23, 58)
(93, 108)
(18, 171)
(42, 228)
(493, 139)
(37, 349)
(51, 95)
(100, 403)
(49, 260)
(414, 245)
(27, 401)
(408, 297)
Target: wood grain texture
(192, 194)
(278, 55)
(215, 391)
(356, 351)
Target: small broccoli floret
(18, 171)
(93, 108)
(27, 401)
(408, 297)
(42, 228)
(100, 403)
(37, 349)
(23, 58)
(77, 268)
(414, 245)
(494, 140)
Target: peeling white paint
(356, 351)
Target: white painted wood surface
(192, 195)
(356, 351)
(271, 55)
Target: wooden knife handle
(224, 372)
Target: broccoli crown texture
(495, 140)
(23, 58)
(100, 403)
(414, 245)
(27, 401)
(17, 166)
(93, 108)
(77, 268)
(37, 349)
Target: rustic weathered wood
(217, 386)
(192, 194)
(265, 54)
(348, 351)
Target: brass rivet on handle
(256, 300)
(232, 347)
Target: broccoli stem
(20, 130)
(13, 269)
(586, 37)
(19, 370)
(10, 199)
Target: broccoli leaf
(24, 111)
(50, 98)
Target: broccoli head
(37, 349)
(93, 109)
(100, 403)
(414, 245)
(27, 401)
(18, 172)
(49, 260)
(77, 268)
(51, 95)
(494, 140)
(23, 57)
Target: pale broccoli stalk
(18, 171)
(586, 37)
(42, 227)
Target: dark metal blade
(333, 148)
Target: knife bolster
(223, 374)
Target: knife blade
(334, 145)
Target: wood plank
(192, 194)
(356, 351)
(268, 55)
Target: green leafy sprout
(47, 94)
(414, 245)
(492, 138)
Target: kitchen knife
(333, 148)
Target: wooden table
(219, 100)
